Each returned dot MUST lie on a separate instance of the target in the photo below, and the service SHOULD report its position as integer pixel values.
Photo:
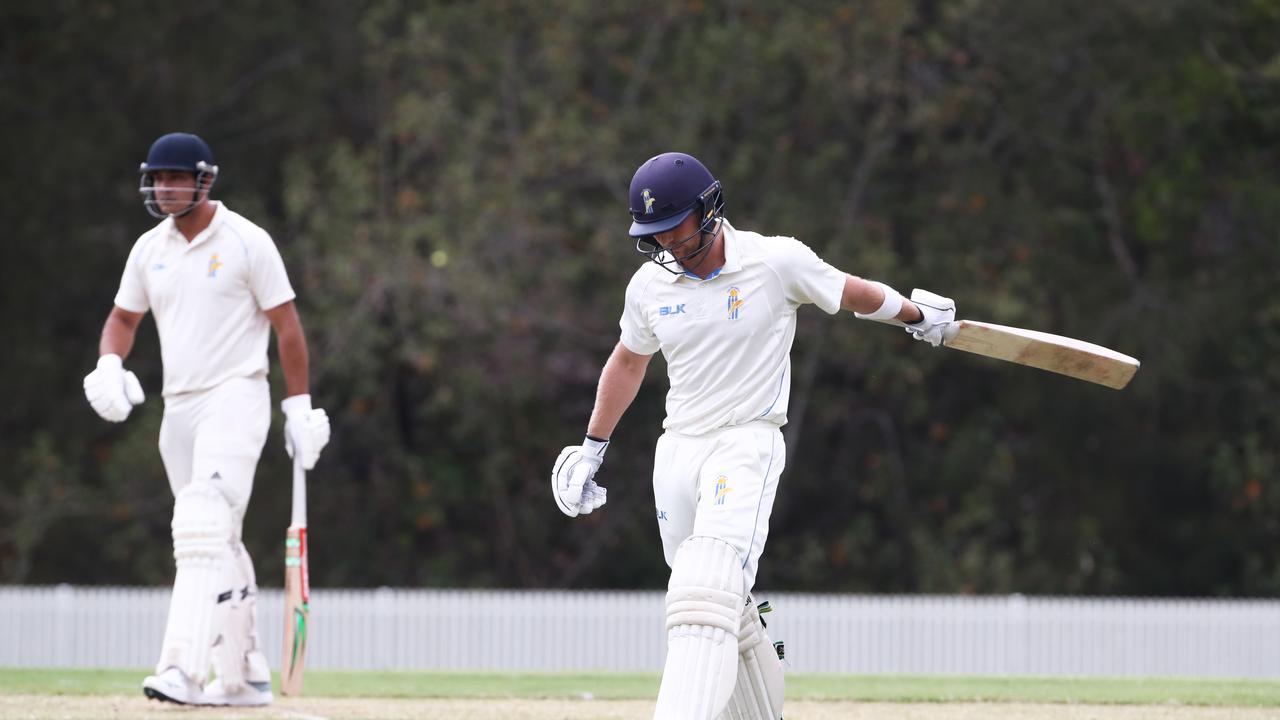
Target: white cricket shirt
(208, 298)
(727, 339)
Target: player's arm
(306, 429)
(619, 382)
(865, 298)
(291, 343)
(572, 477)
(926, 316)
(118, 332)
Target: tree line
(447, 184)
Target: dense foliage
(447, 184)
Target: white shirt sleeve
(808, 278)
(637, 333)
(132, 295)
(268, 280)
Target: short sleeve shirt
(727, 339)
(208, 297)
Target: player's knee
(202, 523)
(706, 586)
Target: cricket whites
(297, 589)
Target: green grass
(915, 688)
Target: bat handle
(299, 518)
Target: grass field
(29, 693)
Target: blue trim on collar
(713, 274)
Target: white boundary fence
(514, 630)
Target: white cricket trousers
(720, 484)
(217, 436)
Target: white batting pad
(236, 635)
(704, 605)
(202, 534)
(759, 692)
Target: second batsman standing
(217, 287)
(720, 303)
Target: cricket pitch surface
(105, 707)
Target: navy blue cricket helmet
(183, 152)
(665, 190)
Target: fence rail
(513, 630)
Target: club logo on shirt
(722, 489)
(157, 267)
(671, 310)
(735, 302)
(647, 195)
(214, 264)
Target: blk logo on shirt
(671, 310)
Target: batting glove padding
(572, 483)
(112, 390)
(306, 430)
(939, 312)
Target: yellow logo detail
(648, 198)
(214, 264)
(735, 301)
(722, 489)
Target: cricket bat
(297, 589)
(1055, 353)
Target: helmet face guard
(664, 192)
(179, 152)
(710, 206)
(205, 176)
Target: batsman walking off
(720, 303)
(217, 286)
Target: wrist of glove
(938, 314)
(111, 390)
(306, 429)
(572, 478)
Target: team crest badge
(735, 302)
(722, 489)
(647, 196)
(214, 264)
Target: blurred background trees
(447, 183)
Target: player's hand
(572, 482)
(306, 430)
(112, 390)
(939, 312)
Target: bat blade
(297, 589)
(1046, 351)
(296, 611)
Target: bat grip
(299, 518)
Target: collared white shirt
(727, 339)
(208, 298)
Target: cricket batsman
(720, 303)
(216, 286)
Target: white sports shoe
(173, 686)
(253, 693)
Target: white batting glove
(306, 431)
(939, 312)
(575, 491)
(112, 390)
